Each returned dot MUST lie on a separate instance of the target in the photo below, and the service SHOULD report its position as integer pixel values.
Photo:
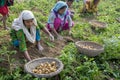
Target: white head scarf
(18, 24)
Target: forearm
(27, 56)
(70, 22)
(46, 31)
(54, 31)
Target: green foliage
(76, 65)
(81, 67)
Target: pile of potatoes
(97, 24)
(87, 47)
(45, 68)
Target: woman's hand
(70, 32)
(51, 37)
(40, 48)
(59, 37)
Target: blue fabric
(37, 35)
(57, 6)
(16, 43)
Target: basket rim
(118, 19)
(45, 75)
(102, 47)
(90, 22)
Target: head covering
(18, 24)
(59, 5)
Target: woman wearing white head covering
(25, 28)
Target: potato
(45, 68)
(34, 70)
(53, 63)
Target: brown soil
(48, 51)
(34, 52)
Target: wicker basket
(89, 52)
(118, 19)
(34, 63)
(98, 24)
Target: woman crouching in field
(90, 6)
(25, 28)
(59, 19)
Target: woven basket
(98, 24)
(118, 19)
(34, 63)
(89, 52)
